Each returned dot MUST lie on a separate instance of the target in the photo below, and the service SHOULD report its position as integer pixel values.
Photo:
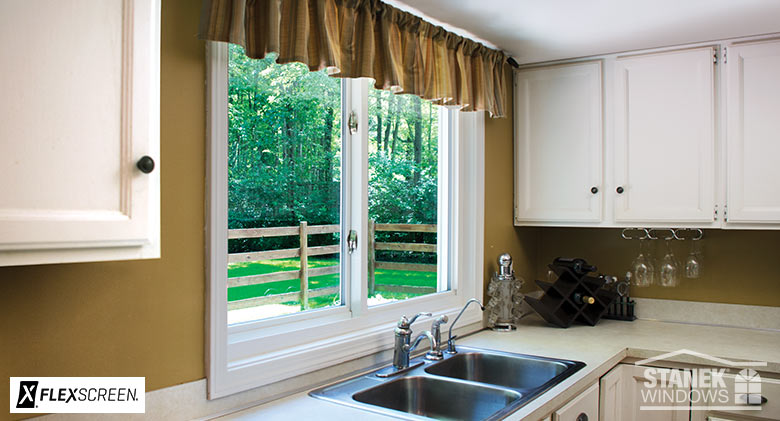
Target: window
(289, 181)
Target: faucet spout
(409, 348)
(451, 339)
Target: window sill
(274, 367)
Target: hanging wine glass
(670, 269)
(693, 262)
(642, 267)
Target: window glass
(284, 178)
(403, 198)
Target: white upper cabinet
(688, 138)
(558, 146)
(664, 137)
(753, 141)
(80, 109)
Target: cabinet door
(664, 138)
(558, 149)
(585, 407)
(728, 402)
(659, 403)
(611, 399)
(753, 141)
(80, 108)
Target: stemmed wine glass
(670, 269)
(693, 262)
(642, 267)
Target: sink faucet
(435, 353)
(422, 335)
(403, 335)
(451, 340)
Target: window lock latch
(352, 241)
(352, 123)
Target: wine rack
(558, 305)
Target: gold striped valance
(365, 38)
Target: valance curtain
(365, 38)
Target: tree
(284, 151)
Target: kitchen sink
(474, 384)
(440, 399)
(516, 372)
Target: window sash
(252, 354)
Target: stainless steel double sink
(474, 384)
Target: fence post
(371, 241)
(304, 265)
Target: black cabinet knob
(620, 190)
(145, 164)
(582, 417)
(594, 190)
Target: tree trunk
(379, 125)
(327, 146)
(417, 140)
(430, 127)
(389, 123)
(397, 122)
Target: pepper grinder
(505, 297)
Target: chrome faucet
(422, 335)
(451, 340)
(403, 335)
(435, 353)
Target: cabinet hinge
(726, 213)
(715, 57)
(725, 55)
(715, 216)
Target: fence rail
(303, 230)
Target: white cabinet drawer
(736, 386)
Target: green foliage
(285, 155)
(284, 144)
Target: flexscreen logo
(700, 388)
(78, 395)
(27, 394)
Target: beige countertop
(600, 347)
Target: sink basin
(516, 372)
(440, 399)
(475, 384)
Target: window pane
(284, 176)
(403, 200)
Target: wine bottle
(583, 299)
(578, 266)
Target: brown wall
(132, 318)
(500, 234)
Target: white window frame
(248, 355)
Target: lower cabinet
(765, 392)
(624, 392)
(584, 407)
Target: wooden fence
(303, 230)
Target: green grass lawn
(382, 277)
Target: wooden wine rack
(558, 307)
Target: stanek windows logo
(102, 395)
(664, 389)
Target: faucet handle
(405, 323)
(443, 319)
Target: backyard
(382, 276)
(285, 173)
